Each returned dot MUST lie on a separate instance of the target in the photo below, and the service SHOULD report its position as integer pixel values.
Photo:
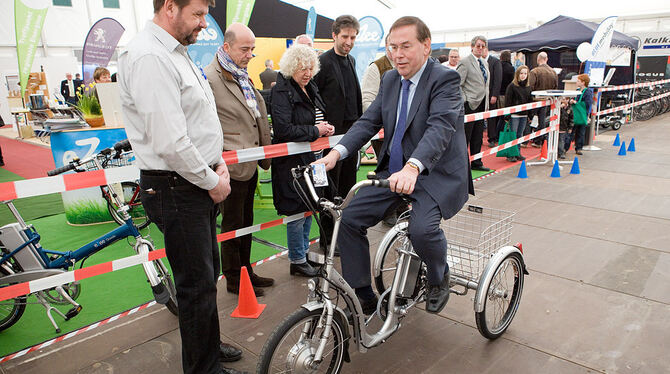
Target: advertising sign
(367, 43)
(600, 48)
(202, 52)
(99, 46)
(653, 43)
(239, 11)
(310, 27)
(29, 18)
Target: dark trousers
(474, 131)
(238, 212)
(342, 177)
(578, 135)
(492, 124)
(186, 216)
(367, 209)
(541, 113)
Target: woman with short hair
(297, 116)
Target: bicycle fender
(386, 241)
(487, 275)
(143, 247)
(314, 305)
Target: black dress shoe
(258, 281)
(437, 296)
(480, 168)
(369, 306)
(234, 287)
(228, 353)
(520, 158)
(225, 370)
(303, 270)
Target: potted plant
(89, 105)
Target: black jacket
(495, 80)
(517, 95)
(293, 117)
(329, 80)
(507, 76)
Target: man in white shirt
(172, 124)
(454, 58)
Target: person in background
(170, 118)
(586, 99)
(101, 75)
(338, 85)
(542, 77)
(507, 77)
(297, 116)
(495, 80)
(244, 121)
(68, 89)
(454, 58)
(304, 39)
(518, 93)
(442, 59)
(268, 76)
(564, 128)
(475, 76)
(520, 59)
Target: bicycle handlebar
(123, 146)
(61, 169)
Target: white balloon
(584, 51)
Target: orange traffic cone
(247, 306)
(543, 153)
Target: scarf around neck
(242, 78)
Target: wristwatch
(413, 165)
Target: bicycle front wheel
(292, 345)
(502, 297)
(131, 196)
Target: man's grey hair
(297, 57)
(479, 37)
(268, 63)
(455, 50)
(306, 38)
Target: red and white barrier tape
(25, 288)
(635, 85)
(631, 105)
(110, 319)
(514, 142)
(505, 111)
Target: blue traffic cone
(631, 146)
(575, 166)
(622, 150)
(522, 171)
(617, 141)
(556, 171)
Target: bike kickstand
(49, 309)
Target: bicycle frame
(363, 338)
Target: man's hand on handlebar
(404, 180)
(329, 160)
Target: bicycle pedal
(73, 312)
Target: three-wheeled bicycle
(316, 337)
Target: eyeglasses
(403, 47)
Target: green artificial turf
(108, 294)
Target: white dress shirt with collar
(168, 108)
(412, 89)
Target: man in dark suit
(424, 155)
(68, 88)
(268, 76)
(495, 81)
(338, 84)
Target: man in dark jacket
(541, 78)
(495, 81)
(268, 76)
(507, 78)
(341, 92)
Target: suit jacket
(268, 76)
(434, 134)
(66, 92)
(495, 80)
(473, 86)
(329, 81)
(240, 128)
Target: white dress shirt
(168, 108)
(412, 89)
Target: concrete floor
(597, 298)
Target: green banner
(239, 11)
(29, 18)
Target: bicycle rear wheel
(502, 297)
(11, 310)
(166, 279)
(292, 345)
(389, 262)
(131, 196)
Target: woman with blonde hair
(297, 116)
